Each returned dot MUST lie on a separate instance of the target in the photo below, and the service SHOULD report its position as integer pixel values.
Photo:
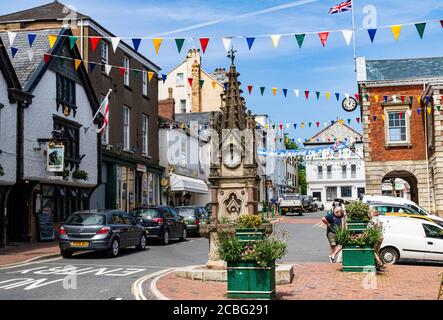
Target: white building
(339, 174)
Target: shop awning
(182, 183)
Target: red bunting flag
(307, 94)
(318, 124)
(441, 22)
(204, 43)
(402, 99)
(190, 81)
(281, 126)
(357, 97)
(358, 120)
(400, 115)
(249, 89)
(323, 37)
(47, 58)
(94, 42)
(122, 71)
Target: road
(99, 278)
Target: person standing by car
(376, 222)
(333, 221)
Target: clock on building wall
(231, 157)
(349, 104)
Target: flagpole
(354, 35)
(98, 111)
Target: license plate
(80, 244)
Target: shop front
(185, 191)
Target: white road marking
(137, 289)
(154, 289)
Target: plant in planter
(357, 214)
(251, 265)
(248, 228)
(358, 248)
(80, 175)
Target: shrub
(369, 237)
(248, 221)
(357, 210)
(80, 174)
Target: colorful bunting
(285, 92)
(94, 42)
(179, 43)
(250, 89)
(122, 71)
(72, 41)
(31, 54)
(262, 90)
(420, 29)
(214, 83)
(136, 72)
(275, 39)
(307, 94)
(328, 95)
(337, 95)
(396, 31)
(347, 34)
(13, 52)
(323, 37)
(190, 81)
(274, 91)
(204, 43)
(47, 58)
(136, 43)
(52, 39)
(31, 39)
(77, 63)
(150, 75)
(227, 43)
(201, 82)
(11, 37)
(317, 93)
(157, 43)
(115, 41)
(300, 38)
(372, 33)
(297, 92)
(108, 69)
(92, 66)
(250, 41)
(164, 77)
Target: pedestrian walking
(376, 222)
(333, 221)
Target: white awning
(182, 183)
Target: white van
(410, 239)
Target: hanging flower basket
(80, 175)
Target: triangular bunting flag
(297, 93)
(418, 99)
(115, 42)
(420, 28)
(441, 22)
(295, 126)
(214, 83)
(307, 94)
(337, 95)
(190, 81)
(13, 51)
(347, 34)
(30, 53)
(225, 85)
(31, 38)
(204, 43)
(372, 33)
(418, 111)
(275, 39)
(376, 98)
(72, 41)
(94, 42)
(122, 71)
(136, 43)
(227, 43)
(302, 125)
(323, 37)
(349, 121)
(357, 97)
(396, 31)
(285, 92)
(318, 124)
(358, 120)
(309, 124)
(250, 89)
(52, 39)
(150, 75)
(317, 93)
(11, 37)
(250, 41)
(409, 112)
(47, 58)
(92, 66)
(274, 91)
(77, 63)
(108, 69)
(157, 43)
(136, 72)
(262, 90)
(201, 82)
(164, 77)
(179, 43)
(328, 95)
(300, 38)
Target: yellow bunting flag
(157, 42)
(52, 39)
(274, 91)
(341, 121)
(214, 83)
(77, 63)
(396, 31)
(150, 75)
(383, 117)
(302, 124)
(266, 126)
(418, 99)
(328, 95)
(429, 110)
(376, 98)
(275, 39)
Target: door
(175, 223)
(434, 242)
(119, 228)
(133, 232)
(407, 235)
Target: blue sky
(311, 68)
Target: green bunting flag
(317, 94)
(136, 74)
(72, 41)
(421, 28)
(300, 38)
(179, 43)
(201, 83)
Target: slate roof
(24, 67)
(203, 118)
(50, 11)
(400, 69)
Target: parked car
(399, 209)
(308, 203)
(410, 239)
(108, 231)
(194, 216)
(291, 203)
(161, 223)
(208, 209)
(318, 204)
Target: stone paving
(21, 252)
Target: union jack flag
(342, 7)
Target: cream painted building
(205, 92)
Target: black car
(308, 203)
(194, 216)
(108, 230)
(161, 222)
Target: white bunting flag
(12, 36)
(275, 39)
(227, 43)
(347, 34)
(347, 95)
(107, 69)
(30, 53)
(297, 92)
(409, 112)
(115, 41)
(287, 126)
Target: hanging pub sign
(55, 157)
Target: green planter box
(358, 259)
(248, 280)
(357, 225)
(250, 234)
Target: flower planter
(358, 259)
(250, 234)
(357, 225)
(248, 280)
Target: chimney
(166, 108)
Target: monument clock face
(231, 158)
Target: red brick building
(402, 123)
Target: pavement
(26, 252)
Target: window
(344, 171)
(346, 192)
(145, 126)
(126, 66)
(354, 171)
(126, 119)
(329, 171)
(71, 139)
(104, 54)
(320, 172)
(397, 131)
(361, 191)
(317, 195)
(331, 193)
(180, 80)
(145, 82)
(105, 134)
(433, 231)
(65, 90)
(182, 106)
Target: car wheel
(389, 255)
(114, 249)
(66, 253)
(184, 235)
(142, 243)
(165, 239)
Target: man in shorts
(333, 221)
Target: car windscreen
(145, 213)
(85, 219)
(186, 212)
(291, 197)
(419, 210)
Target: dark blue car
(161, 222)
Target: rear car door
(176, 223)
(434, 242)
(133, 231)
(116, 223)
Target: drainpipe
(427, 156)
(19, 140)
